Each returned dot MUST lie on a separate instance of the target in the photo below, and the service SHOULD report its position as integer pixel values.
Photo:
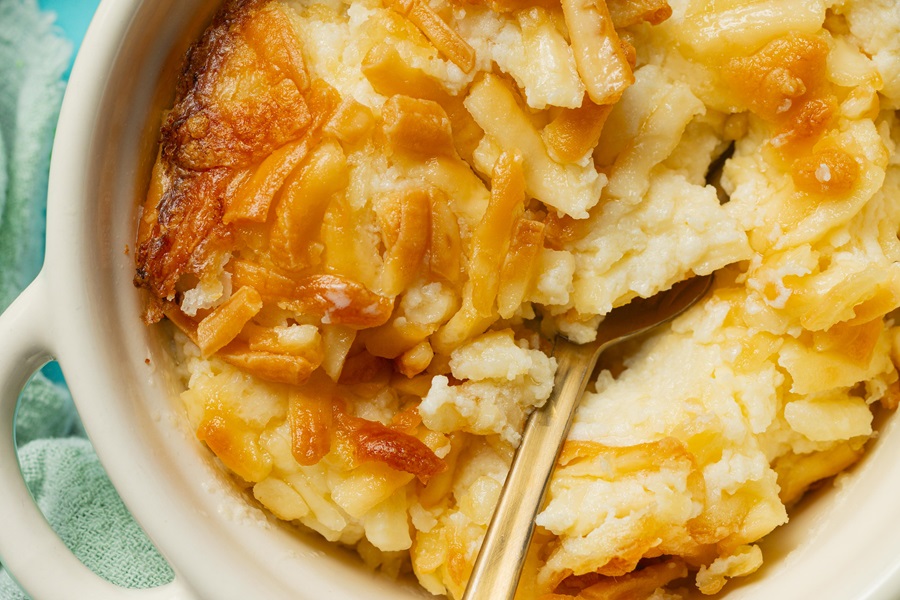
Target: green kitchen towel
(58, 463)
(82, 506)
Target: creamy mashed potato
(368, 220)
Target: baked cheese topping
(368, 219)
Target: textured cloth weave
(58, 463)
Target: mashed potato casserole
(369, 218)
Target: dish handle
(30, 550)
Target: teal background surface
(72, 17)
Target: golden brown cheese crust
(239, 98)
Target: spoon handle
(498, 568)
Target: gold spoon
(499, 565)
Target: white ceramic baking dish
(83, 311)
